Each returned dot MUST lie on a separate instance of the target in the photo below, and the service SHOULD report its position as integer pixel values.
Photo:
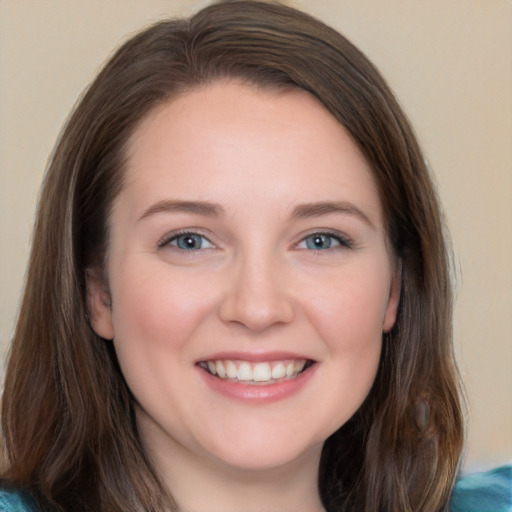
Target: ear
(99, 304)
(394, 298)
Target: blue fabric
(484, 492)
(14, 501)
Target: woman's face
(249, 277)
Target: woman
(238, 296)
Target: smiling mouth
(259, 373)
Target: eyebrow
(198, 207)
(303, 211)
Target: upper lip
(255, 357)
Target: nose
(256, 296)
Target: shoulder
(484, 492)
(16, 501)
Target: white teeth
(212, 367)
(244, 372)
(231, 370)
(264, 372)
(279, 371)
(221, 371)
(261, 372)
(299, 366)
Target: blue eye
(320, 241)
(190, 242)
(323, 241)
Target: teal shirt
(482, 492)
(14, 501)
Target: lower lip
(258, 393)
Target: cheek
(349, 310)
(350, 323)
(348, 316)
(156, 311)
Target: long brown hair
(67, 416)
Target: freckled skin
(256, 287)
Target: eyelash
(343, 242)
(167, 239)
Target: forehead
(220, 138)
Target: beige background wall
(450, 64)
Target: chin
(265, 454)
